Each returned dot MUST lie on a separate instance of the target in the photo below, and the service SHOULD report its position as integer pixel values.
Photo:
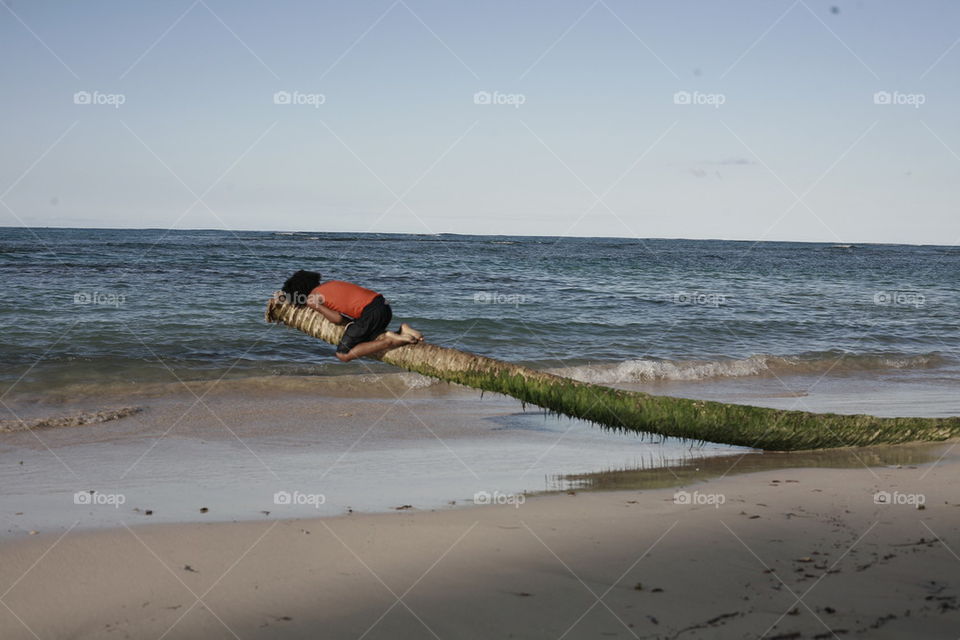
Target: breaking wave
(651, 370)
(78, 419)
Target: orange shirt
(345, 297)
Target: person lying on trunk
(365, 313)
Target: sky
(777, 120)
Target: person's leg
(367, 335)
(367, 348)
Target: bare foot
(400, 337)
(407, 330)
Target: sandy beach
(790, 553)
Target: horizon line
(482, 235)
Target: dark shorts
(372, 322)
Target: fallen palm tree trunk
(758, 427)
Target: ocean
(109, 306)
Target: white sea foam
(648, 370)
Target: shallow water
(434, 448)
(421, 454)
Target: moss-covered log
(758, 427)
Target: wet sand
(803, 553)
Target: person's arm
(315, 302)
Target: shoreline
(227, 458)
(879, 570)
(222, 452)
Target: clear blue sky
(799, 150)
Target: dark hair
(299, 285)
